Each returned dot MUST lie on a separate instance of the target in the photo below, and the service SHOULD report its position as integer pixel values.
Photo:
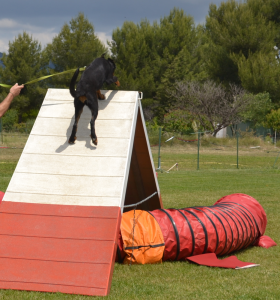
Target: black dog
(100, 71)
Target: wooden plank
(53, 288)
(56, 249)
(116, 96)
(35, 198)
(66, 185)
(56, 145)
(60, 210)
(120, 96)
(58, 227)
(106, 111)
(59, 94)
(48, 272)
(63, 127)
(76, 166)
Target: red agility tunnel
(233, 223)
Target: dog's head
(112, 63)
(112, 67)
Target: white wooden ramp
(61, 212)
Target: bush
(29, 125)
(21, 127)
(178, 121)
(9, 122)
(31, 114)
(9, 119)
(153, 131)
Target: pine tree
(235, 30)
(75, 46)
(273, 121)
(259, 106)
(24, 62)
(260, 73)
(186, 66)
(134, 51)
(182, 68)
(147, 55)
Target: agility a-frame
(61, 213)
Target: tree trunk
(19, 118)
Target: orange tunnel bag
(142, 238)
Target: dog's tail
(73, 82)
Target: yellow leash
(44, 77)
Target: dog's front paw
(94, 140)
(100, 96)
(71, 140)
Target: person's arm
(5, 104)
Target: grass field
(217, 177)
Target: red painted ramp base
(58, 248)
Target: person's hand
(15, 90)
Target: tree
(258, 107)
(75, 46)
(236, 30)
(178, 121)
(260, 73)
(210, 103)
(148, 56)
(24, 62)
(187, 65)
(273, 121)
(269, 9)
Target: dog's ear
(112, 62)
(103, 55)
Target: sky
(43, 19)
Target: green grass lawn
(188, 187)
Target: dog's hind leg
(92, 104)
(78, 111)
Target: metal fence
(201, 151)
(172, 151)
